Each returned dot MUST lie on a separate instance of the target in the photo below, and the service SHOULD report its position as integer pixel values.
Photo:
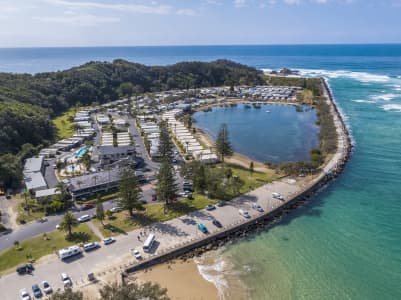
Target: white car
(84, 218)
(257, 207)
(277, 196)
(58, 226)
(66, 280)
(244, 213)
(108, 240)
(136, 253)
(90, 246)
(115, 209)
(46, 287)
(25, 295)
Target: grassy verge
(121, 222)
(39, 246)
(103, 198)
(252, 180)
(64, 124)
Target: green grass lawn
(121, 222)
(63, 125)
(38, 246)
(252, 180)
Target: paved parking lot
(168, 234)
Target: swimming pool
(81, 151)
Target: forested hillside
(27, 102)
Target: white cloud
(186, 12)
(77, 19)
(292, 2)
(240, 3)
(154, 8)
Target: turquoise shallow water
(346, 244)
(273, 133)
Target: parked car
(66, 280)
(46, 287)
(257, 207)
(87, 206)
(25, 295)
(210, 207)
(217, 224)
(108, 241)
(244, 213)
(277, 196)
(91, 246)
(221, 203)
(136, 254)
(154, 197)
(84, 218)
(115, 209)
(202, 228)
(36, 291)
(24, 269)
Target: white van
(149, 243)
(244, 213)
(69, 251)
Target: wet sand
(182, 279)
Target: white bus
(68, 252)
(149, 242)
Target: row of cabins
(151, 132)
(187, 140)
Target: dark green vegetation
(115, 291)
(28, 101)
(129, 191)
(313, 95)
(223, 145)
(24, 129)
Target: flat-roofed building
(110, 154)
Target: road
(169, 234)
(34, 228)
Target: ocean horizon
(346, 242)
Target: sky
(52, 23)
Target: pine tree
(165, 144)
(129, 191)
(199, 179)
(166, 187)
(223, 145)
(100, 210)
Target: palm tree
(68, 222)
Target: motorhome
(69, 251)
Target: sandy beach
(182, 279)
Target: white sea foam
(360, 76)
(363, 101)
(392, 107)
(397, 87)
(385, 97)
(214, 273)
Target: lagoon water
(346, 244)
(272, 133)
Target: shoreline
(331, 170)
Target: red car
(88, 206)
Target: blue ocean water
(277, 133)
(346, 244)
